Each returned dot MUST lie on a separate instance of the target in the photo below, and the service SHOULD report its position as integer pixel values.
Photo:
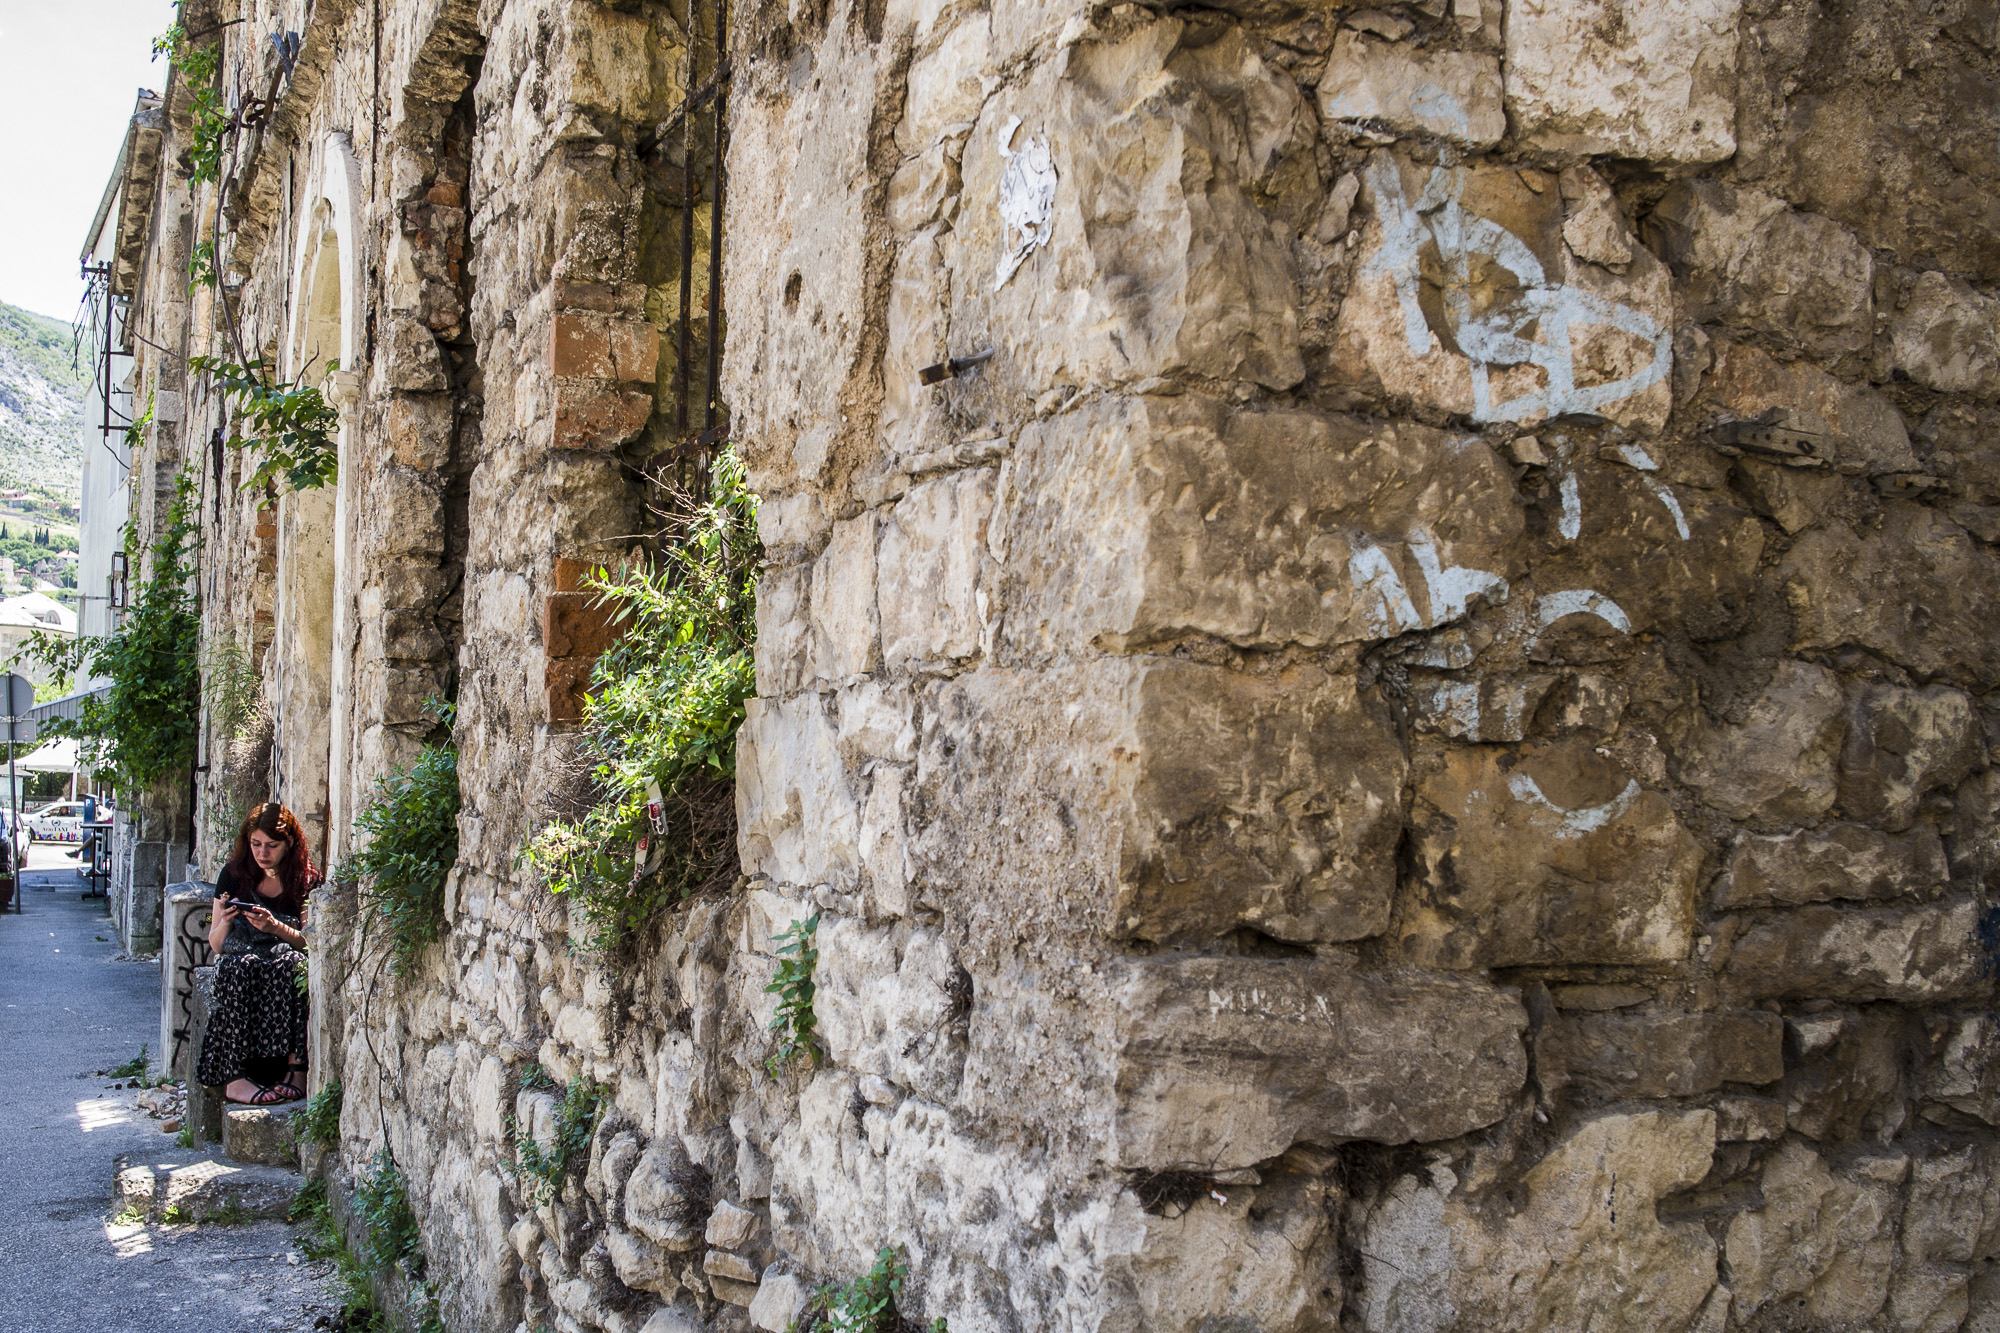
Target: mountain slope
(41, 398)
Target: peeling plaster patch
(1027, 200)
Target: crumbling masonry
(1411, 753)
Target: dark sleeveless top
(244, 938)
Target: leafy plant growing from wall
(865, 1305)
(143, 727)
(542, 1171)
(318, 1121)
(412, 828)
(795, 1025)
(659, 726)
(198, 66)
(288, 421)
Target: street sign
(20, 695)
(21, 732)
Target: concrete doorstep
(189, 1186)
(260, 1135)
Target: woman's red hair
(295, 872)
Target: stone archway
(315, 621)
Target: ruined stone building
(1411, 751)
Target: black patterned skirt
(257, 1020)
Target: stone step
(188, 1186)
(260, 1135)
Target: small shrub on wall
(660, 724)
(412, 829)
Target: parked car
(60, 822)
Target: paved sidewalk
(69, 1007)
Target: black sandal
(274, 1094)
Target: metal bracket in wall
(953, 368)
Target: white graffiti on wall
(1534, 328)
(1386, 606)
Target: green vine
(865, 1305)
(143, 727)
(412, 828)
(660, 722)
(795, 1023)
(198, 67)
(289, 421)
(382, 1203)
(318, 1120)
(201, 265)
(542, 1171)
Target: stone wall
(1411, 753)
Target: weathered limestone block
(1133, 520)
(1584, 1250)
(419, 428)
(844, 622)
(1964, 1071)
(927, 569)
(993, 1228)
(781, 1299)
(1624, 77)
(1226, 1062)
(1662, 1054)
(1750, 262)
(1545, 855)
(1264, 1256)
(1470, 330)
(1594, 227)
(1947, 337)
(1846, 1077)
(947, 85)
(1452, 94)
(1866, 431)
(413, 365)
(795, 809)
(1159, 261)
(1777, 764)
(1195, 800)
(1916, 590)
(666, 1197)
(1839, 861)
(1921, 954)
(883, 1006)
(1820, 1241)
(1903, 743)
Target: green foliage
(865, 1305)
(534, 1076)
(314, 1211)
(143, 727)
(201, 265)
(318, 1120)
(382, 1206)
(184, 1137)
(289, 421)
(795, 1024)
(542, 1171)
(133, 1068)
(198, 67)
(660, 724)
(412, 828)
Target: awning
(55, 757)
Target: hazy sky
(69, 71)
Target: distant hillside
(41, 396)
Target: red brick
(446, 193)
(566, 680)
(599, 416)
(568, 574)
(579, 345)
(635, 350)
(574, 624)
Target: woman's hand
(223, 913)
(270, 925)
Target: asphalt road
(69, 1007)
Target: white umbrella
(54, 757)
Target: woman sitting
(256, 1044)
